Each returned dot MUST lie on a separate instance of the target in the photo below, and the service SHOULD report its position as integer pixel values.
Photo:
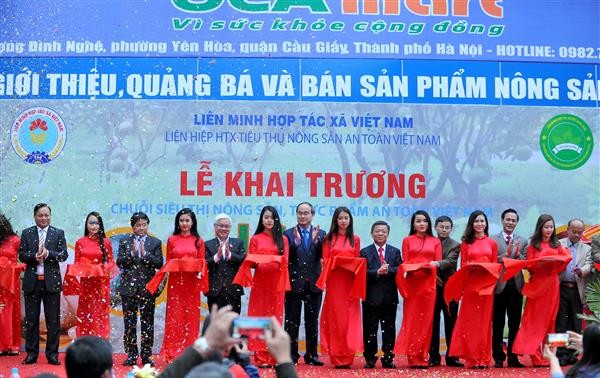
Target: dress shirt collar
(505, 235)
(300, 228)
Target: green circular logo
(566, 142)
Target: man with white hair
(224, 256)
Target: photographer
(588, 345)
(217, 339)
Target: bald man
(572, 286)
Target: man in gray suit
(42, 248)
(446, 268)
(508, 300)
(572, 286)
(140, 255)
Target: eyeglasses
(223, 226)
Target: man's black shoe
(388, 365)
(53, 361)
(148, 361)
(313, 361)
(515, 364)
(499, 364)
(29, 360)
(435, 362)
(370, 365)
(130, 361)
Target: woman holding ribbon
(546, 258)
(10, 289)
(421, 252)
(188, 276)
(93, 265)
(476, 280)
(344, 274)
(268, 255)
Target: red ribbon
(355, 265)
(551, 265)
(244, 274)
(485, 276)
(38, 124)
(86, 269)
(429, 284)
(185, 264)
(556, 264)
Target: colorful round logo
(566, 142)
(38, 135)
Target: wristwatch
(201, 345)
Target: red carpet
(6, 362)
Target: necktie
(40, 266)
(305, 240)
(510, 252)
(142, 250)
(42, 238)
(381, 257)
(136, 247)
(223, 249)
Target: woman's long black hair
(536, 238)
(589, 364)
(193, 229)
(334, 229)
(101, 234)
(277, 229)
(469, 235)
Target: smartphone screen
(557, 339)
(250, 327)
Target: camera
(557, 339)
(250, 327)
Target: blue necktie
(305, 239)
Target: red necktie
(381, 257)
(509, 252)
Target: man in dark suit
(140, 255)
(42, 248)
(446, 268)
(224, 256)
(382, 296)
(508, 301)
(306, 251)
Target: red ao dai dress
(415, 334)
(182, 321)
(10, 296)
